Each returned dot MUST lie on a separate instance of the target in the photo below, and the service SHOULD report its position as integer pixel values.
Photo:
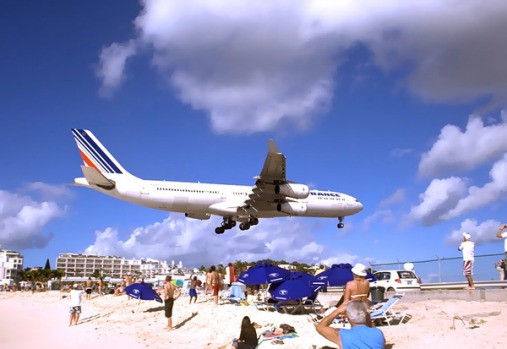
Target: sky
(399, 104)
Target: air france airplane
(271, 196)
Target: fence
(444, 269)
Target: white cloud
(480, 196)
(273, 64)
(398, 196)
(385, 216)
(440, 196)
(111, 68)
(459, 151)
(22, 219)
(195, 242)
(481, 233)
(49, 191)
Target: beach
(42, 320)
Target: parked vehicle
(396, 280)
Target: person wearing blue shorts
(191, 291)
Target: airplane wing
(264, 196)
(273, 171)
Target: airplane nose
(358, 206)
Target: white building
(11, 266)
(82, 265)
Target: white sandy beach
(41, 320)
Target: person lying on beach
(359, 336)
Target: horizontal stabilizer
(96, 178)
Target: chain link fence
(443, 269)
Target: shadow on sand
(181, 324)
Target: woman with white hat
(356, 289)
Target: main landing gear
(229, 223)
(340, 224)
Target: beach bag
(287, 328)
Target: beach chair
(385, 314)
(338, 322)
(235, 294)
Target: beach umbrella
(338, 275)
(142, 291)
(297, 285)
(177, 282)
(263, 273)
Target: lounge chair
(338, 322)
(384, 312)
(235, 294)
(307, 305)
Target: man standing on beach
(171, 293)
(467, 247)
(501, 234)
(76, 295)
(359, 336)
(215, 283)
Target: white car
(396, 280)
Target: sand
(41, 320)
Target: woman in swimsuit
(356, 289)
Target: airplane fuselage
(200, 200)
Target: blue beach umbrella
(263, 273)
(338, 275)
(177, 282)
(142, 291)
(296, 286)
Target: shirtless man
(171, 293)
(89, 287)
(215, 282)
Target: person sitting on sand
(359, 336)
(247, 337)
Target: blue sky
(400, 104)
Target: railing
(444, 269)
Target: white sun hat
(359, 269)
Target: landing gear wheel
(219, 230)
(253, 221)
(244, 226)
(340, 225)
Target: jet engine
(296, 191)
(292, 208)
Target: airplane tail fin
(99, 163)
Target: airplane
(272, 195)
